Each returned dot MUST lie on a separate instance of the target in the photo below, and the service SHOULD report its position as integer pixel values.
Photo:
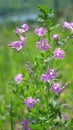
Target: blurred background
(12, 14)
(23, 10)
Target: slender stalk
(11, 116)
(49, 34)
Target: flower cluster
(59, 53)
(56, 88)
(25, 124)
(30, 102)
(49, 75)
(18, 45)
(68, 25)
(40, 31)
(43, 44)
(55, 36)
(18, 78)
(24, 28)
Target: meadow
(12, 62)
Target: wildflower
(56, 88)
(19, 31)
(30, 102)
(18, 78)
(65, 117)
(71, 24)
(66, 25)
(58, 53)
(23, 41)
(25, 124)
(55, 36)
(43, 44)
(18, 45)
(44, 78)
(25, 27)
(40, 31)
(49, 75)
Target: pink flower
(18, 78)
(59, 53)
(40, 31)
(56, 88)
(30, 102)
(55, 36)
(65, 117)
(18, 45)
(19, 31)
(25, 27)
(49, 75)
(43, 44)
(66, 25)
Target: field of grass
(12, 63)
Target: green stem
(49, 34)
(11, 116)
(48, 29)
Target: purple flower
(23, 41)
(44, 78)
(66, 25)
(55, 36)
(58, 53)
(40, 31)
(25, 124)
(49, 75)
(56, 88)
(18, 45)
(71, 24)
(65, 117)
(43, 44)
(25, 27)
(19, 31)
(18, 78)
(30, 102)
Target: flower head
(71, 24)
(43, 44)
(55, 36)
(25, 124)
(30, 102)
(59, 53)
(65, 117)
(18, 78)
(66, 25)
(56, 88)
(19, 31)
(23, 41)
(44, 78)
(25, 27)
(49, 75)
(18, 45)
(40, 31)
